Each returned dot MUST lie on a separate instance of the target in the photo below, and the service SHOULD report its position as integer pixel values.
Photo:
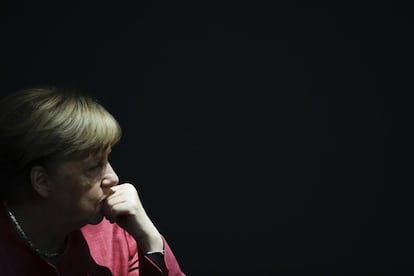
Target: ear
(39, 180)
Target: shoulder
(103, 228)
(105, 232)
(110, 246)
(108, 236)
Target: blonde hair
(40, 123)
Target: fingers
(123, 207)
(113, 211)
(122, 201)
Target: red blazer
(103, 249)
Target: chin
(96, 219)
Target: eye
(97, 166)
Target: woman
(62, 211)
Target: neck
(42, 231)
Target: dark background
(264, 137)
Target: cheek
(94, 191)
(83, 190)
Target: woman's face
(78, 189)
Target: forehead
(81, 159)
(97, 153)
(93, 156)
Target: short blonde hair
(40, 123)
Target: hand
(123, 206)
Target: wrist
(148, 238)
(150, 243)
(162, 252)
(146, 234)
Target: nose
(110, 177)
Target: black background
(264, 137)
